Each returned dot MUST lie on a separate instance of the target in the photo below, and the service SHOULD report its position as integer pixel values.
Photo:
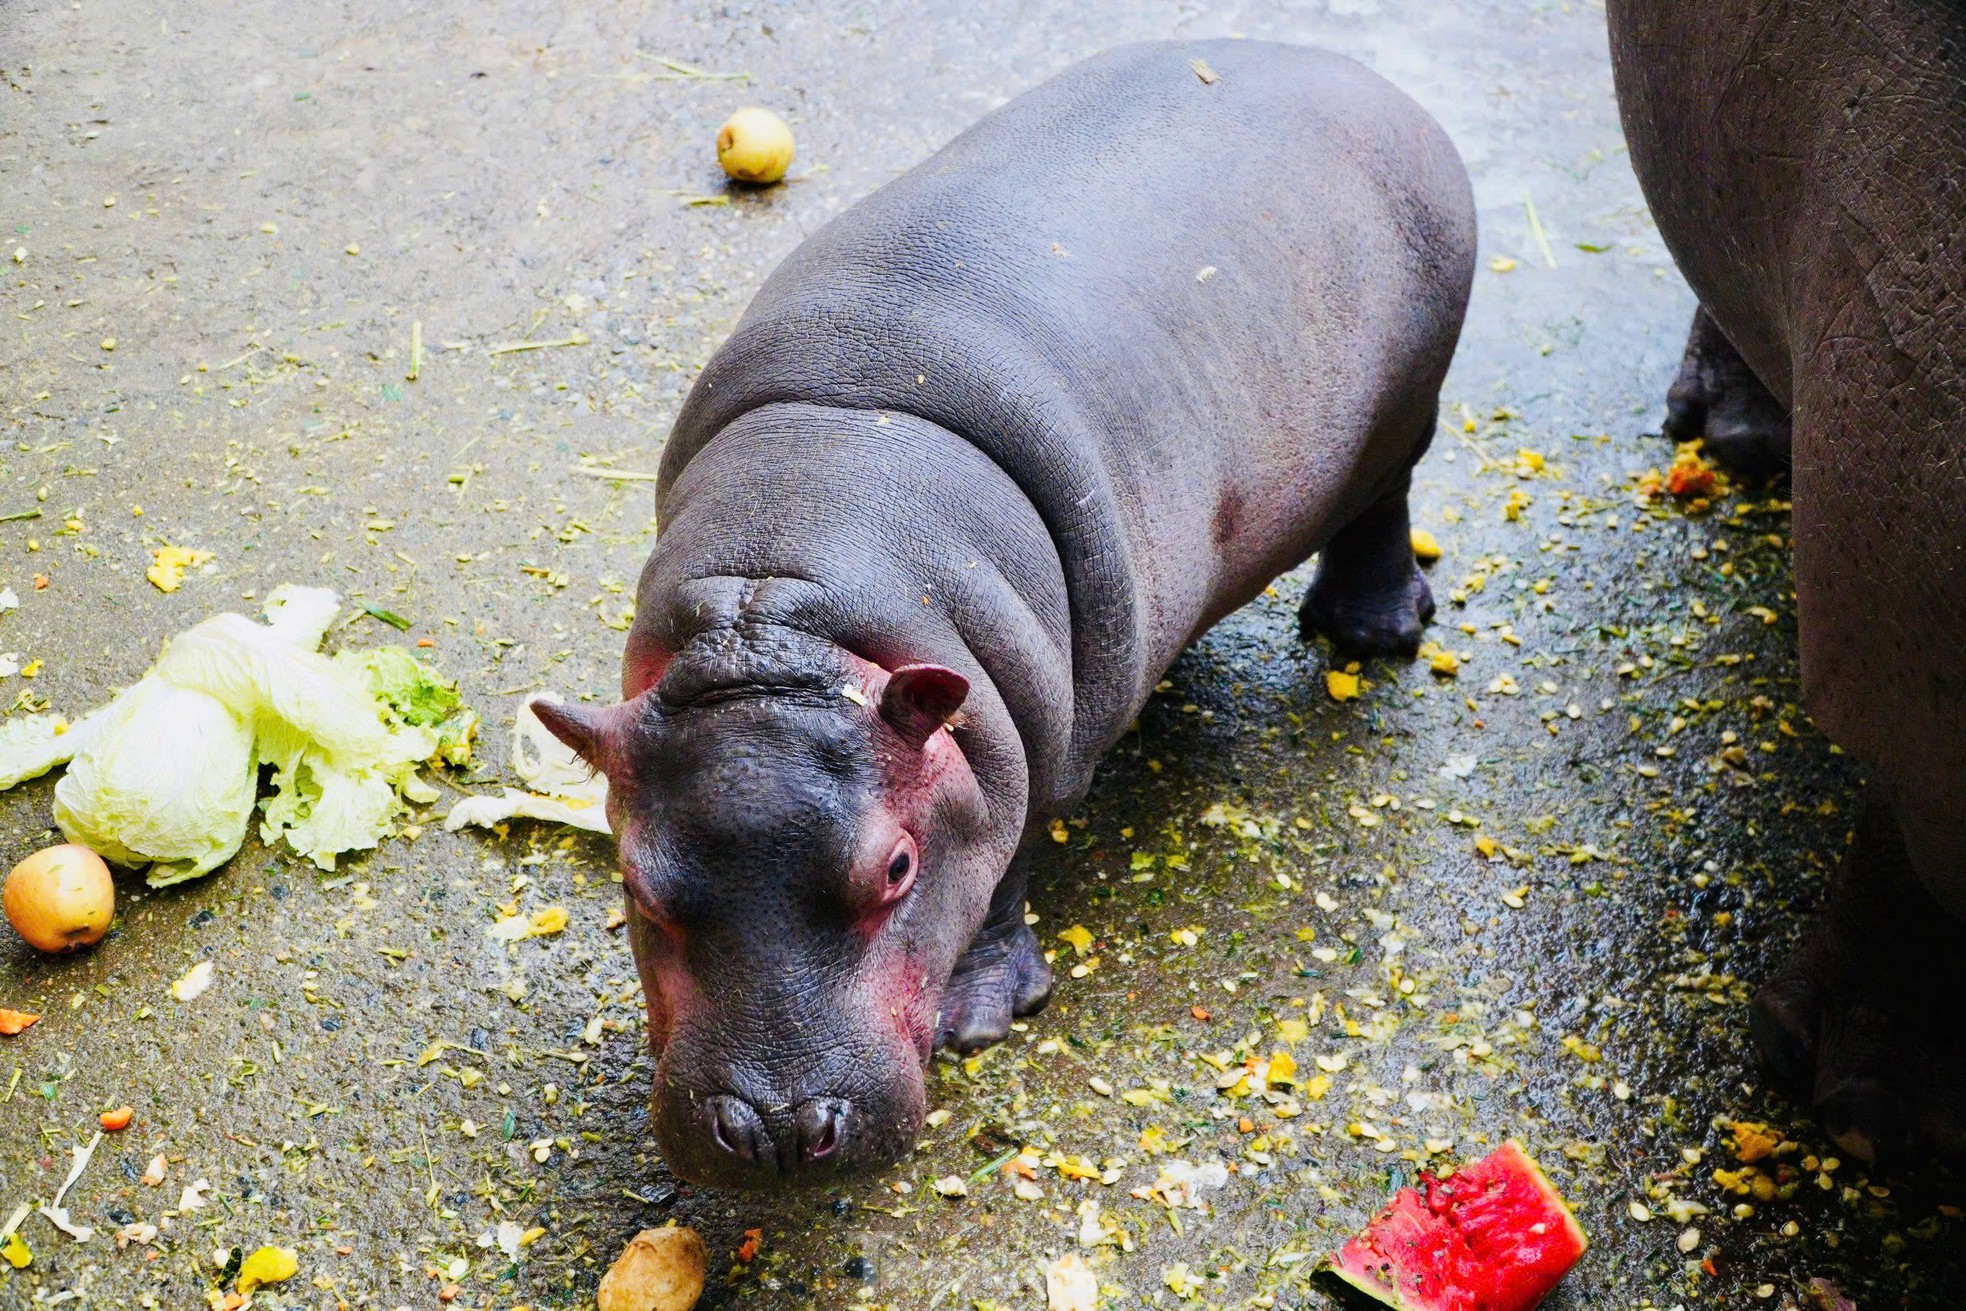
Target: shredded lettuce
(413, 695)
(563, 788)
(166, 774)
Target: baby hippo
(983, 455)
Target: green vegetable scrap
(344, 735)
(413, 695)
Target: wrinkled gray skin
(1806, 162)
(982, 456)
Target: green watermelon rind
(1349, 1290)
(1357, 1290)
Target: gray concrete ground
(256, 201)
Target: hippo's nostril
(822, 1127)
(736, 1129)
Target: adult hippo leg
(1369, 597)
(1868, 1022)
(1718, 398)
(1001, 976)
(1806, 169)
(1863, 1022)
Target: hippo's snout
(731, 1142)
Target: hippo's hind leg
(1865, 1022)
(1369, 596)
(1717, 397)
(1001, 976)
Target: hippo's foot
(1369, 597)
(1003, 975)
(1865, 1022)
(1388, 622)
(1717, 397)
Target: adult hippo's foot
(1717, 397)
(1865, 1022)
(1003, 975)
(1369, 597)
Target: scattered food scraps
(13, 1022)
(59, 1217)
(754, 146)
(1069, 1285)
(196, 1194)
(1825, 1296)
(60, 899)
(1079, 938)
(192, 983)
(1426, 547)
(269, 1265)
(137, 1232)
(1690, 474)
(1691, 477)
(168, 563)
(1754, 1142)
(117, 1120)
(345, 737)
(1341, 685)
(659, 1270)
(564, 788)
(541, 923)
(54, 1212)
(1420, 1253)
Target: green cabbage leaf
(167, 773)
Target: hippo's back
(1194, 298)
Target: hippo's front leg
(1717, 397)
(1001, 976)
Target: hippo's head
(803, 867)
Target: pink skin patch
(910, 781)
(904, 994)
(642, 666)
(910, 777)
(666, 985)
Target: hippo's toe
(998, 979)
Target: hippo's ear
(591, 732)
(919, 699)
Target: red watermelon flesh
(1494, 1237)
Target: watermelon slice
(1494, 1237)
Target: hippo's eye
(899, 870)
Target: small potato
(659, 1270)
(60, 899)
(754, 145)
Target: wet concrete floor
(1526, 901)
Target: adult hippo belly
(1806, 163)
(982, 456)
